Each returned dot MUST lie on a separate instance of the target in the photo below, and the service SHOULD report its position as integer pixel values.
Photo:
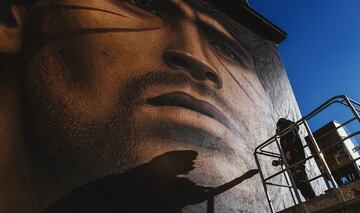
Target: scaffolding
(316, 153)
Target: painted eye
(225, 50)
(147, 5)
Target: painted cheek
(244, 84)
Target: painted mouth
(181, 99)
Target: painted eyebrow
(218, 35)
(215, 31)
(208, 12)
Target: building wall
(103, 149)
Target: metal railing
(318, 155)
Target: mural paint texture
(140, 106)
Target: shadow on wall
(151, 187)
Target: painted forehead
(204, 11)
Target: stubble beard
(65, 153)
(62, 146)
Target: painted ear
(11, 24)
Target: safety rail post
(355, 103)
(286, 178)
(263, 182)
(321, 158)
(352, 108)
(283, 158)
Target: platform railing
(318, 154)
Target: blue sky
(322, 51)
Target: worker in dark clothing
(294, 152)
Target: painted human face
(109, 84)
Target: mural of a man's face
(110, 84)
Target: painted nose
(199, 70)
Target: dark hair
(28, 3)
(25, 2)
(283, 122)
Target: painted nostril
(212, 77)
(199, 70)
(179, 62)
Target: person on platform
(293, 150)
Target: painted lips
(181, 99)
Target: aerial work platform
(345, 199)
(332, 159)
